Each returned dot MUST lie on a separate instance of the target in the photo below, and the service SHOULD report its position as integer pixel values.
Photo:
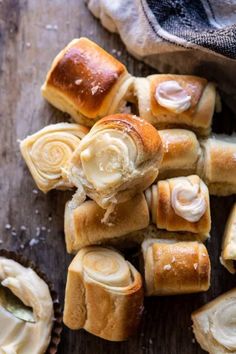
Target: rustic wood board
(31, 34)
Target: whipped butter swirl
(188, 201)
(171, 95)
(224, 325)
(108, 157)
(18, 336)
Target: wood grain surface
(31, 34)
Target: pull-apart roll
(181, 153)
(84, 225)
(214, 324)
(218, 164)
(117, 159)
(87, 82)
(170, 101)
(104, 294)
(174, 267)
(228, 254)
(48, 151)
(180, 204)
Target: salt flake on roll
(119, 158)
(171, 95)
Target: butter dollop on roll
(171, 95)
(108, 157)
(188, 201)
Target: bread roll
(228, 254)
(48, 151)
(218, 165)
(119, 158)
(214, 324)
(87, 82)
(104, 294)
(181, 153)
(169, 101)
(84, 225)
(173, 267)
(180, 204)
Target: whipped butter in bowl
(26, 309)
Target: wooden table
(31, 34)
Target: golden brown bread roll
(180, 204)
(214, 324)
(169, 101)
(181, 153)
(228, 254)
(218, 164)
(173, 267)
(118, 158)
(48, 151)
(104, 294)
(84, 225)
(87, 82)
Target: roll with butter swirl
(180, 204)
(47, 152)
(104, 294)
(117, 159)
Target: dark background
(31, 33)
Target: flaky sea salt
(78, 81)
(33, 242)
(94, 89)
(167, 267)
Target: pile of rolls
(138, 155)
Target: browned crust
(112, 316)
(110, 313)
(145, 135)
(166, 217)
(88, 228)
(180, 268)
(181, 149)
(97, 69)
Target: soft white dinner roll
(214, 324)
(48, 151)
(104, 294)
(117, 159)
(228, 253)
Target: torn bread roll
(180, 204)
(214, 324)
(170, 101)
(218, 164)
(228, 254)
(104, 294)
(84, 225)
(117, 159)
(175, 267)
(87, 82)
(48, 151)
(181, 153)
